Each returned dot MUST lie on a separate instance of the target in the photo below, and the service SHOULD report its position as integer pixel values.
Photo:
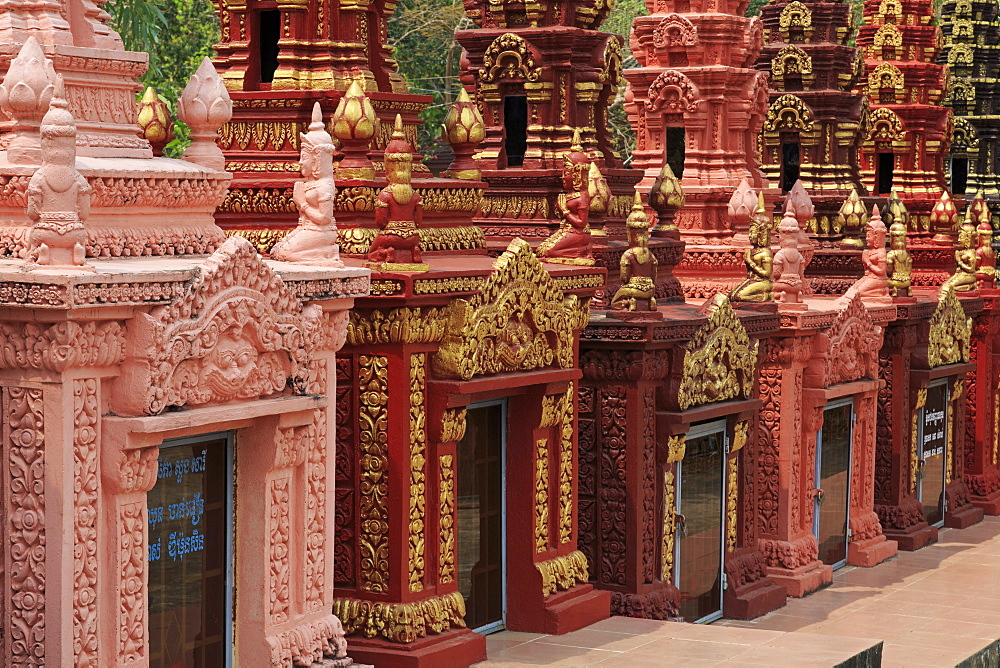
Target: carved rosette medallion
(720, 363)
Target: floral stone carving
(720, 363)
(519, 321)
(950, 332)
(237, 333)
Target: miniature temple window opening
(515, 128)
(884, 173)
(791, 157)
(676, 138)
(678, 57)
(959, 174)
(269, 32)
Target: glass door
(482, 548)
(700, 522)
(832, 498)
(933, 437)
(191, 554)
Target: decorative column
(982, 389)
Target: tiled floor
(934, 607)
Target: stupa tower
(909, 130)
(812, 131)
(540, 71)
(972, 52)
(697, 104)
(279, 60)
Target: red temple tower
(812, 131)
(909, 130)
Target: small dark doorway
(833, 482)
(790, 161)
(515, 128)
(884, 167)
(190, 554)
(959, 175)
(932, 471)
(482, 563)
(270, 33)
(676, 138)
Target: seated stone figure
(398, 211)
(899, 264)
(570, 244)
(986, 268)
(638, 265)
(789, 264)
(759, 260)
(873, 286)
(964, 278)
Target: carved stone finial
(666, 198)
(154, 121)
(58, 195)
(24, 96)
(896, 211)
(463, 129)
(798, 201)
(638, 265)
(205, 107)
(570, 244)
(873, 286)
(852, 218)
(979, 210)
(742, 204)
(354, 124)
(789, 265)
(314, 241)
(899, 264)
(944, 219)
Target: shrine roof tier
(810, 68)
(687, 7)
(904, 83)
(903, 13)
(888, 42)
(695, 40)
(811, 23)
(521, 14)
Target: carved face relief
(514, 342)
(231, 364)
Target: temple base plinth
(565, 611)
(456, 648)
(753, 599)
(963, 517)
(868, 553)
(989, 504)
(803, 580)
(913, 537)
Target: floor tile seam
(595, 649)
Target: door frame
(920, 444)
(836, 403)
(494, 627)
(230, 438)
(696, 431)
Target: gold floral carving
(401, 622)
(453, 425)
(262, 239)
(996, 422)
(446, 554)
(398, 325)
(740, 433)
(541, 495)
(915, 439)
(732, 486)
(260, 135)
(676, 445)
(437, 286)
(566, 467)
(950, 332)
(418, 460)
(949, 444)
(579, 282)
(508, 57)
(563, 572)
(518, 322)
(357, 240)
(667, 555)
(374, 484)
(719, 363)
(258, 200)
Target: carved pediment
(519, 321)
(950, 332)
(237, 332)
(673, 92)
(719, 362)
(854, 342)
